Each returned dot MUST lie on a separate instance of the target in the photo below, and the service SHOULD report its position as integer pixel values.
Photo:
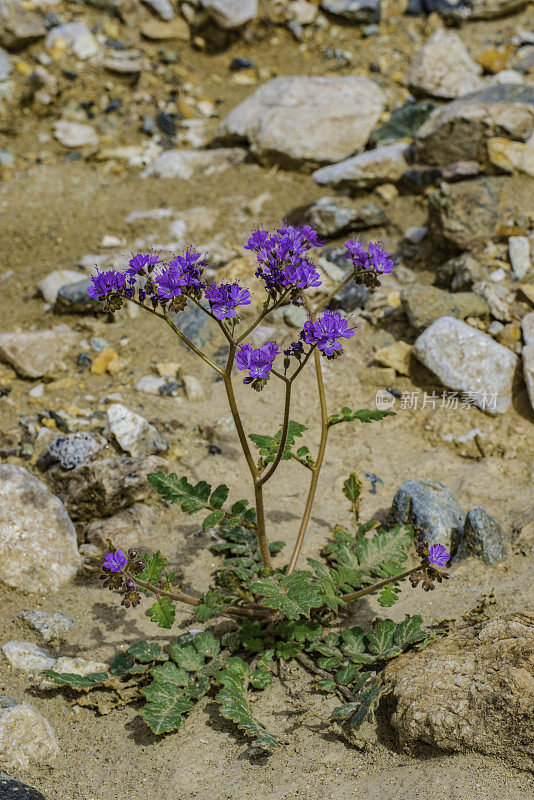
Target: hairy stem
(285, 424)
(261, 532)
(348, 598)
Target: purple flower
(357, 252)
(116, 561)
(170, 282)
(106, 283)
(379, 259)
(327, 331)
(139, 261)
(257, 240)
(281, 257)
(190, 266)
(303, 274)
(438, 555)
(258, 361)
(225, 298)
(294, 349)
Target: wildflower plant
(274, 610)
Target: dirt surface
(53, 212)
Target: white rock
(36, 353)
(54, 281)
(38, 549)
(49, 625)
(162, 8)
(519, 250)
(527, 354)
(230, 14)
(151, 213)
(108, 240)
(150, 384)
(74, 666)
(443, 67)
(193, 388)
(185, 164)
(383, 165)
(28, 657)
(70, 32)
(75, 134)
(85, 47)
(37, 391)
(415, 234)
(134, 433)
(469, 361)
(505, 76)
(26, 739)
(5, 65)
(527, 326)
(308, 120)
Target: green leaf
(352, 487)
(261, 677)
(329, 662)
(121, 663)
(354, 646)
(219, 496)
(389, 595)
(162, 612)
(154, 566)
(206, 644)
(380, 639)
(234, 704)
(363, 415)
(347, 673)
(301, 631)
(362, 560)
(211, 606)
(326, 685)
(294, 595)
(269, 445)
(212, 520)
(302, 451)
(364, 705)
(287, 650)
(179, 490)
(186, 657)
(167, 702)
(145, 652)
(409, 632)
(76, 681)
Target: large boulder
(306, 120)
(460, 130)
(473, 690)
(443, 68)
(38, 549)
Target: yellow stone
(527, 289)
(493, 60)
(103, 360)
(168, 369)
(160, 31)
(61, 383)
(24, 68)
(116, 365)
(397, 355)
(510, 156)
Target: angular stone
(432, 510)
(54, 281)
(509, 156)
(38, 550)
(131, 528)
(443, 68)
(5, 65)
(185, 164)
(74, 299)
(425, 304)
(397, 355)
(69, 32)
(480, 9)
(468, 361)
(464, 215)
(72, 450)
(338, 115)
(460, 273)
(28, 657)
(166, 31)
(519, 250)
(230, 14)
(459, 131)
(27, 740)
(75, 134)
(19, 27)
(50, 625)
(483, 537)
(403, 123)
(11, 789)
(472, 690)
(36, 353)
(102, 488)
(361, 11)
(134, 434)
(384, 165)
(332, 215)
(193, 388)
(498, 297)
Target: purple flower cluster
(258, 360)
(281, 257)
(326, 333)
(225, 298)
(139, 262)
(438, 555)
(181, 272)
(372, 258)
(104, 283)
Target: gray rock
(351, 297)
(27, 740)
(465, 215)
(295, 316)
(73, 299)
(124, 62)
(194, 324)
(468, 361)
(75, 134)
(150, 384)
(354, 10)
(527, 355)
(38, 550)
(403, 123)
(230, 14)
(28, 657)
(102, 488)
(432, 510)
(332, 215)
(425, 304)
(519, 249)
(193, 388)
(5, 65)
(415, 233)
(70, 32)
(459, 131)
(72, 450)
(384, 165)
(54, 281)
(483, 537)
(527, 326)
(460, 273)
(338, 115)
(36, 353)
(133, 433)
(50, 625)
(162, 8)
(131, 528)
(19, 27)
(11, 789)
(482, 9)
(443, 68)
(186, 164)
(498, 298)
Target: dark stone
(166, 123)
(336, 255)
(84, 360)
(241, 63)
(432, 510)
(404, 122)
(466, 214)
(113, 105)
(73, 299)
(416, 180)
(354, 10)
(351, 297)
(170, 389)
(10, 789)
(332, 215)
(193, 324)
(483, 537)
(460, 273)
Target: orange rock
(493, 60)
(103, 360)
